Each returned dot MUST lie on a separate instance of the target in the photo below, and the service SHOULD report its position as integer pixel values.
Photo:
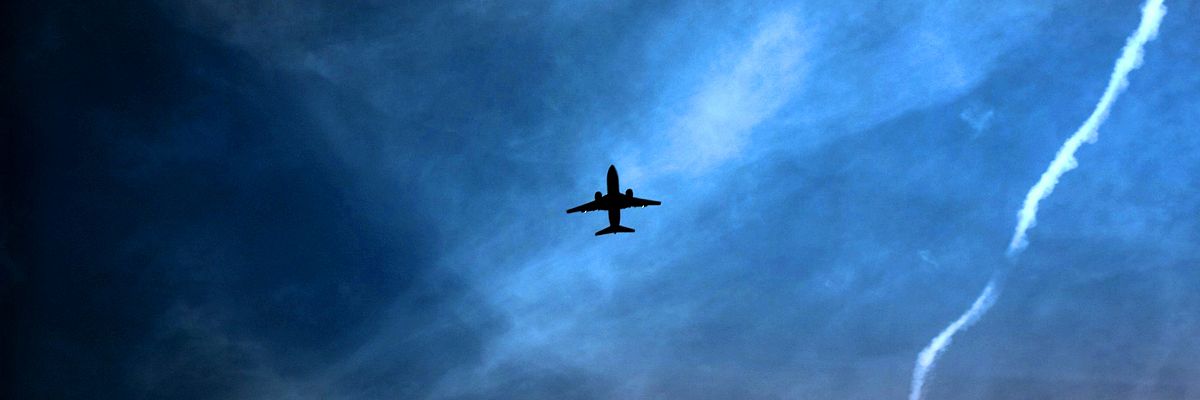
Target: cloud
(366, 200)
(978, 118)
(742, 92)
(1131, 58)
(1064, 160)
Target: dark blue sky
(364, 200)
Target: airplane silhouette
(613, 202)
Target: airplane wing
(636, 202)
(587, 207)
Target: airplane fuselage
(614, 185)
(613, 202)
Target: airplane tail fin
(614, 229)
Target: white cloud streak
(1131, 58)
(927, 357)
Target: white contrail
(927, 356)
(1131, 58)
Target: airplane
(613, 202)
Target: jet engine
(629, 192)
(598, 195)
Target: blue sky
(314, 199)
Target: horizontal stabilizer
(614, 229)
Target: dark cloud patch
(163, 171)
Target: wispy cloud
(745, 90)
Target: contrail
(930, 354)
(1131, 58)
